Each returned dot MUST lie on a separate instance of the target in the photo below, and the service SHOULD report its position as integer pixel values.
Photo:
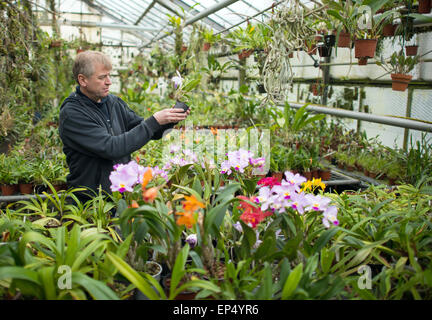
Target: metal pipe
(145, 12)
(388, 120)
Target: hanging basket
(424, 6)
(365, 48)
(400, 81)
(411, 50)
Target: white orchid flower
(178, 80)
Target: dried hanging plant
(292, 25)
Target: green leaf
(292, 282)
(19, 273)
(324, 238)
(97, 289)
(133, 276)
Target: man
(98, 129)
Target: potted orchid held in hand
(182, 88)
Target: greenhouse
(216, 150)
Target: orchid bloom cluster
(288, 195)
(240, 161)
(125, 176)
(183, 157)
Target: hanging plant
(399, 66)
(293, 27)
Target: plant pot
(278, 175)
(26, 188)
(245, 53)
(315, 174)
(9, 189)
(362, 61)
(185, 295)
(365, 48)
(184, 48)
(261, 88)
(330, 40)
(424, 6)
(80, 50)
(155, 270)
(325, 175)
(400, 81)
(388, 30)
(411, 50)
(307, 175)
(324, 51)
(55, 44)
(344, 40)
(206, 46)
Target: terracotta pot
(184, 48)
(365, 48)
(400, 81)
(373, 175)
(315, 174)
(206, 46)
(245, 53)
(185, 295)
(26, 188)
(307, 175)
(424, 6)
(350, 167)
(411, 50)
(362, 61)
(344, 40)
(389, 30)
(278, 175)
(9, 189)
(325, 175)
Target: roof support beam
(151, 5)
(197, 17)
(119, 26)
(110, 15)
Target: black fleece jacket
(93, 145)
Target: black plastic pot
(324, 51)
(182, 105)
(330, 40)
(261, 88)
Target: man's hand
(170, 115)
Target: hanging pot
(400, 81)
(324, 51)
(344, 40)
(424, 6)
(206, 46)
(411, 50)
(389, 30)
(365, 48)
(330, 40)
(362, 61)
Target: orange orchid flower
(146, 179)
(134, 204)
(214, 130)
(150, 194)
(187, 219)
(192, 204)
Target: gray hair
(84, 63)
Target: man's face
(97, 86)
